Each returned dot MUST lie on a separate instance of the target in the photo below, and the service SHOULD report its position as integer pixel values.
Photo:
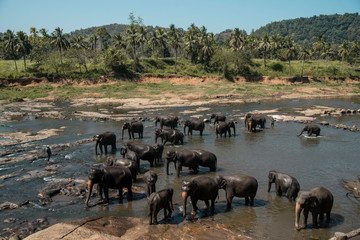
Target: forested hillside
(335, 28)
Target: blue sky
(215, 15)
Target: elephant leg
(306, 214)
(207, 204)
(169, 209)
(106, 194)
(212, 207)
(229, 198)
(247, 201)
(105, 147)
(309, 133)
(129, 194)
(315, 221)
(194, 203)
(321, 217)
(148, 191)
(165, 214)
(100, 190)
(328, 217)
(201, 131)
(252, 201)
(155, 217)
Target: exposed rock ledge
(110, 228)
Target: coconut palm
(44, 33)
(303, 55)
(142, 39)
(10, 41)
(78, 43)
(34, 34)
(132, 40)
(192, 42)
(265, 46)
(162, 37)
(154, 41)
(289, 51)
(104, 36)
(319, 47)
(23, 46)
(344, 52)
(207, 49)
(236, 41)
(327, 52)
(93, 41)
(276, 43)
(175, 41)
(60, 42)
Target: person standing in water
(48, 151)
(272, 122)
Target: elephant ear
(313, 201)
(222, 183)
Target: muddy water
(322, 161)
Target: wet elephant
(257, 119)
(194, 124)
(103, 140)
(310, 129)
(160, 200)
(207, 159)
(238, 185)
(168, 121)
(218, 117)
(109, 177)
(144, 151)
(159, 149)
(199, 188)
(182, 158)
(131, 155)
(133, 127)
(318, 201)
(284, 184)
(224, 128)
(130, 164)
(169, 135)
(150, 178)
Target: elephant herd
(121, 173)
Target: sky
(215, 15)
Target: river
(322, 161)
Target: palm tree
(131, 39)
(34, 34)
(208, 48)
(319, 47)
(175, 41)
(44, 33)
(93, 40)
(276, 44)
(265, 46)
(10, 41)
(142, 39)
(154, 41)
(23, 45)
(289, 50)
(60, 42)
(192, 42)
(303, 54)
(327, 52)
(118, 41)
(104, 36)
(344, 52)
(236, 40)
(162, 36)
(79, 45)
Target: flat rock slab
(110, 228)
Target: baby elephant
(160, 200)
(238, 185)
(150, 179)
(284, 184)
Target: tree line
(125, 52)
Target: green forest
(317, 46)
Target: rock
(8, 205)
(53, 167)
(35, 174)
(54, 187)
(11, 220)
(353, 128)
(324, 123)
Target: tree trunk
(15, 64)
(342, 61)
(175, 59)
(289, 68)
(302, 68)
(25, 62)
(317, 67)
(62, 65)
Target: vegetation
(140, 50)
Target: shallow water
(321, 161)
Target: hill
(335, 28)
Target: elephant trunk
(90, 186)
(167, 162)
(301, 132)
(298, 210)
(184, 198)
(234, 131)
(122, 132)
(184, 129)
(96, 144)
(269, 186)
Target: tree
(154, 41)
(34, 34)
(104, 36)
(60, 42)
(207, 49)
(264, 46)
(142, 39)
(276, 43)
(319, 47)
(236, 44)
(303, 54)
(175, 41)
(162, 37)
(23, 46)
(289, 51)
(78, 44)
(131, 40)
(10, 41)
(118, 41)
(192, 42)
(344, 52)
(327, 52)
(93, 41)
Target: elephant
(238, 185)
(251, 125)
(284, 184)
(199, 188)
(169, 135)
(257, 119)
(225, 127)
(130, 164)
(207, 159)
(218, 117)
(150, 179)
(168, 121)
(318, 201)
(144, 151)
(353, 187)
(159, 148)
(311, 128)
(105, 139)
(133, 127)
(131, 155)
(160, 200)
(109, 177)
(186, 158)
(194, 124)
